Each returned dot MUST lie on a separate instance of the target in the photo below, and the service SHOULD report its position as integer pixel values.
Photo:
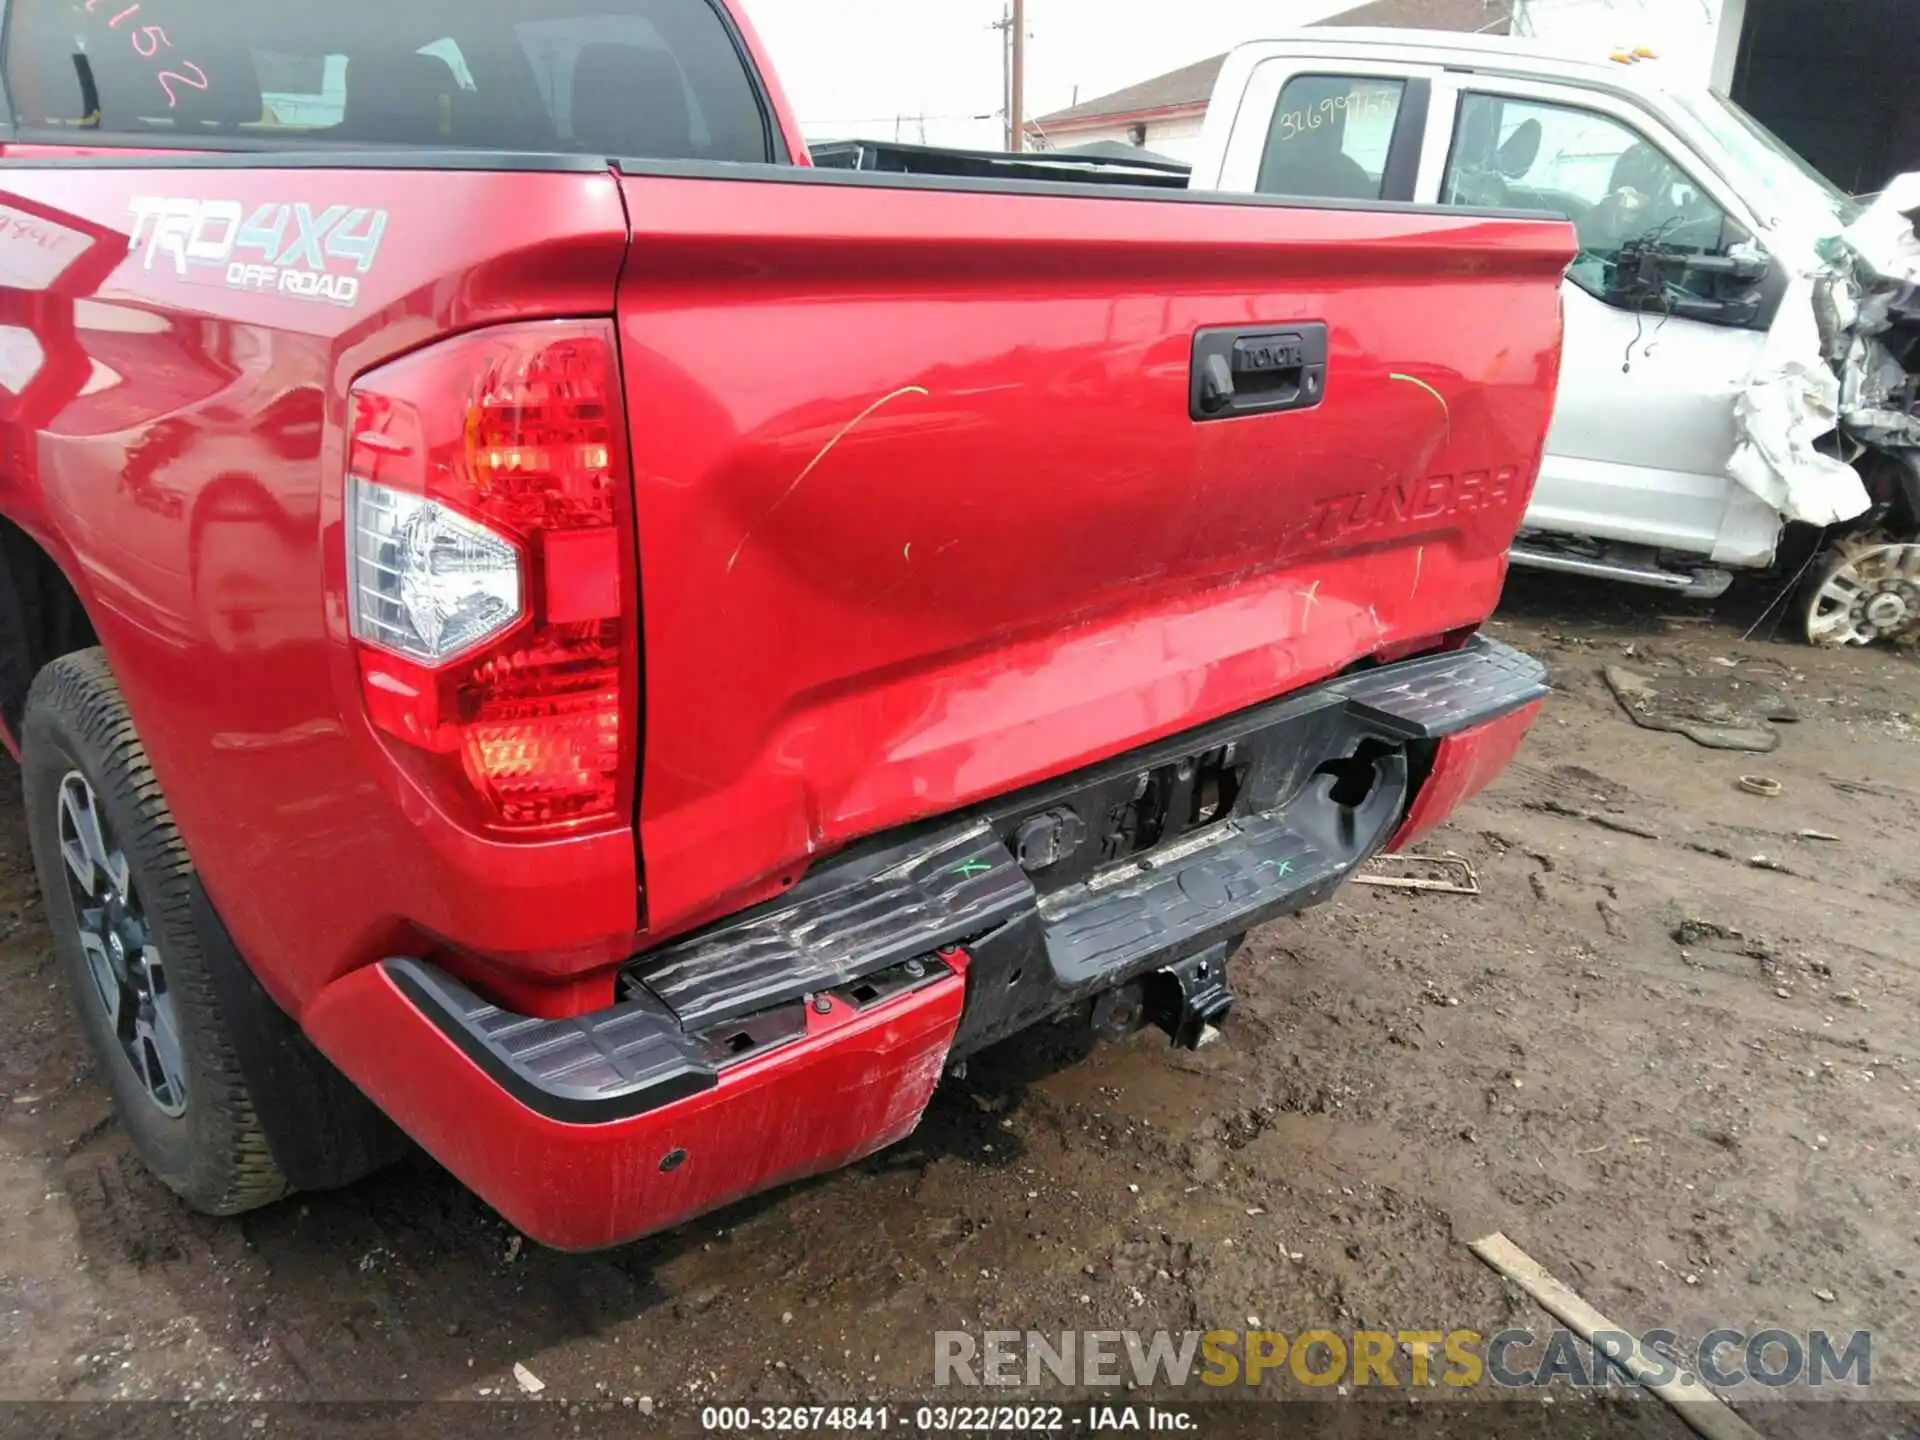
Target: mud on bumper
(800, 1036)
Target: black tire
(1806, 595)
(213, 1152)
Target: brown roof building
(1180, 96)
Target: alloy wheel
(129, 977)
(1867, 589)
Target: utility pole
(1013, 66)
(1017, 85)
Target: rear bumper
(799, 1037)
(853, 1083)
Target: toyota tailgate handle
(1240, 371)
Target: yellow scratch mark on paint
(814, 464)
(1445, 408)
(1419, 564)
(1309, 598)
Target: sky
(861, 67)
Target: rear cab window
(653, 79)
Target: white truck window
(1603, 175)
(1330, 136)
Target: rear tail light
(429, 584)
(485, 478)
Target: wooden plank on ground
(1702, 1411)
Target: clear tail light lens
(429, 583)
(484, 486)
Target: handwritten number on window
(148, 41)
(1365, 104)
(195, 81)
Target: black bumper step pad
(939, 892)
(1437, 695)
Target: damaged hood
(1831, 363)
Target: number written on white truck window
(1330, 136)
(1612, 182)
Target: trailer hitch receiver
(1190, 1000)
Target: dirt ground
(1685, 1083)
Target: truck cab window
(643, 79)
(611, 81)
(1330, 136)
(1615, 185)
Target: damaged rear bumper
(798, 1037)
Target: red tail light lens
(485, 478)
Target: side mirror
(1749, 264)
(1640, 280)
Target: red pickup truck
(536, 620)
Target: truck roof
(1503, 53)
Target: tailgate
(924, 515)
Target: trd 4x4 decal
(283, 249)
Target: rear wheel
(117, 880)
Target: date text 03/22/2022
(944, 1419)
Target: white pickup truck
(1730, 366)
